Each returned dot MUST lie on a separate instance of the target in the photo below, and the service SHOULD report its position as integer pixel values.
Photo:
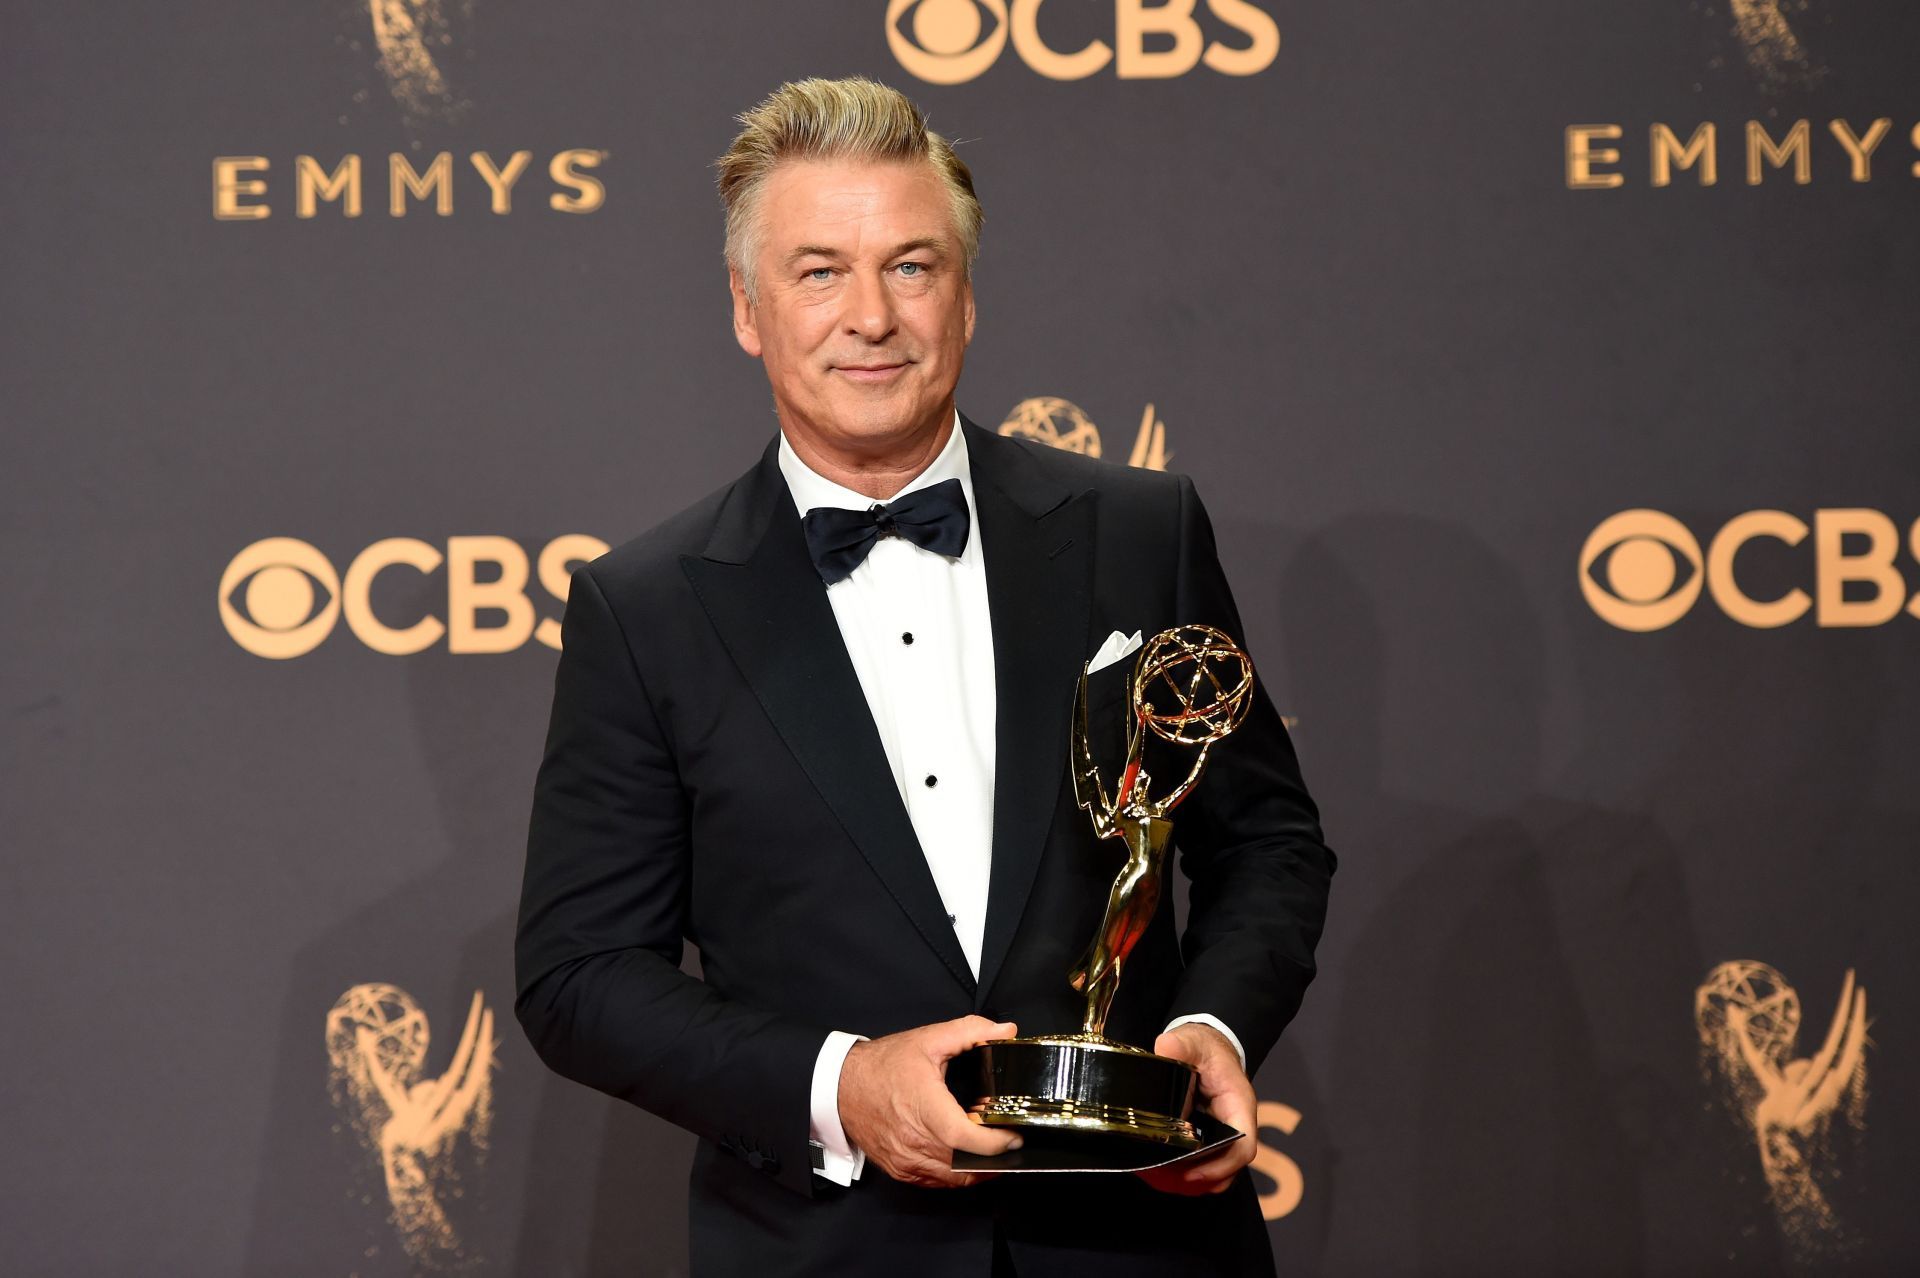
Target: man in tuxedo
(817, 723)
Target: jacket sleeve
(602, 912)
(1249, 836)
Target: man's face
(864, 310)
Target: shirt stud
(906, 636)
(932, 780)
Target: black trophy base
(1082, 1090)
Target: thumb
(1177, 1047)
(950, 1038)
(977, 1138)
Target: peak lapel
(765, 599)
(1038, 539)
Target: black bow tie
(933, 518)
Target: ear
(746, 327)
(968, 286)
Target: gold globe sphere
(1192, 684)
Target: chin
(877, 419)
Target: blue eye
(819, 274)
(911, 269)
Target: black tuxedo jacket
(712, 774)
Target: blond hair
(853, 119)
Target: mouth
(869, 373)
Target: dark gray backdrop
(1409, 368)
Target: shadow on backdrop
(1508, 1094)
(573, 1183)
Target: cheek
(936, 326)
(798, 342)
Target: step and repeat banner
(1550, 371)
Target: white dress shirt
(920, 635)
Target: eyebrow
(922, 245)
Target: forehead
(845, 203)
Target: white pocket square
(1116, 647)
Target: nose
(869, 314)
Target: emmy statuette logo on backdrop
(1748, 1019)
(1060, 423)
(421, 1132)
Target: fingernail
(1015, 1143)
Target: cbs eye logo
(280, 597)
(952, 41)
(946, 46)
(1643, 569)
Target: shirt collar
(810, 488)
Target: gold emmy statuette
(1191, 686)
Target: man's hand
(895, 1106)
(1227, 1094)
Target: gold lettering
(1914, 138)
(1913, 544)
(1582, 155)
(1025, 24)
(310, 180)
(591, 194)
(356, 592)
(499, 181)
(1259, 28)
(1760, 145)
(1860, 150)
(1289, 1186)
(1735, 602)
(1699, 149)
(1835, 568)
(466, 596)
(1134, 20)
(436, 181)
(229, 186)
(556, 575)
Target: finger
(1198, 1045)
(1238, 1109)
(978, 1138)
(1234, 1105)
(1168, 1180)
(1222, 1166)
(950, 1038)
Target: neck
(880, 474)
